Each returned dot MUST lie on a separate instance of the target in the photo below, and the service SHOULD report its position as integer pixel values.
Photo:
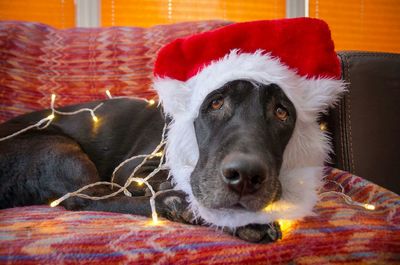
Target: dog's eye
(281, 113)
(217, 103)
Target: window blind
(356, 25)
(57, 13)
(152, 12)
(361, 25)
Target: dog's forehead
(241, 84)
(243, 88)
(237, 88)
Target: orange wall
(152, 12)
(57, 13)
(356, 25)
(367, 25)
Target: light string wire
(288, 225)
(140, 181)
(131, 178)
(345, 197)
(45, 122)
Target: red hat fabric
(303, 44)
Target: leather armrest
(365, 125)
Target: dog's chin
(246, 204)
(243, 205)
(234, 216)
(254, 204)
(231, 201)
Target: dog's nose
(243, 173)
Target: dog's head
(242, 130)
(244, 142)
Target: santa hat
(296, 54)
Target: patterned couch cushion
(79, 64)
(337, 234)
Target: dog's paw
(258, 233)
(174, 206)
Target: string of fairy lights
(157, 153)
(345, 197)
(45, 122)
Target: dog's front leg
(170, 204)
(257, 233)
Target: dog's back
(40, 165)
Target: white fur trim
(295, 202)
(304, 155)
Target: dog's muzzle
(245, 175)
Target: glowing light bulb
(54, 203)
(286, 225)
(108, 94)
(155, 218)
(139, 182)
(269, 207)
(279, 206)
(369, 207)
(53, 97)
(158, 154)
(323, 126)
(95, 119)
(50, 117)
(151, 102)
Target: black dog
(242, 131)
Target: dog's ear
(320, 94)
(174, 95)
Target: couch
(81, 64)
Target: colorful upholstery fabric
(79, 64)
(337, 234)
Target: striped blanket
(337, 234)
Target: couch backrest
(366, 124)
(79, 64)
